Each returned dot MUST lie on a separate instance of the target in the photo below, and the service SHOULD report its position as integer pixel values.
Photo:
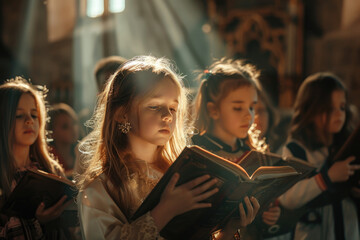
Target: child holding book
(319, 127)
(23, 146)
(224, 112)
(140, 128)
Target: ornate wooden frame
(242, 21)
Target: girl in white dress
(140, 128)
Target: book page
(255, 159)
(234, 184)
(230, 166)
(268, 172)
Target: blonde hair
(10, 94)
(107, 149)
(222, 77)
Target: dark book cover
(351, 147)
(34, 187)
(234, 183)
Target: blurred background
(58, 42)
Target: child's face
(235, 113)
(261, 117)
(337, 115)
(155, 120)
(65, 129)
(26, 121)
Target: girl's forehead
(165, 88)
(338, 94)
(246, 92)
(62, 117)
(27, 100)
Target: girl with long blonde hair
(140, 128)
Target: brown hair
(314, 99)
(108, 148)
(10, 94)
(60, 108)
(222, 77)
(105, 67)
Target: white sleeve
(302, 192)
(100, 218)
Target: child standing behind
(23, 146)
(224, 112)
(140, 129)
(319, 127)
(64, 129)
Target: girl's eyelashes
(153, 107)
(341, 108)
(20, 116)
(240, 109)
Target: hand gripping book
(288, 218)
(351, 147)
(265, 183)
(34, 187)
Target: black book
(234, 182)
(351, 147)
(34, 187)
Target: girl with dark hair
(319, 127)
(23, 146)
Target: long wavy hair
(222, 77)
(10, 93)
(107, 150)
(314, 98)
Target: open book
(288, 218)
(234, 182)
(34, 187)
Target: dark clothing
(220, 148)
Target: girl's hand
(46, 215)
(234, 223)
(271, 216)
(252, 209)
(341, 171)
(177, 200)
(355, 192)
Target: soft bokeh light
(94, 8)
(116, 6)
